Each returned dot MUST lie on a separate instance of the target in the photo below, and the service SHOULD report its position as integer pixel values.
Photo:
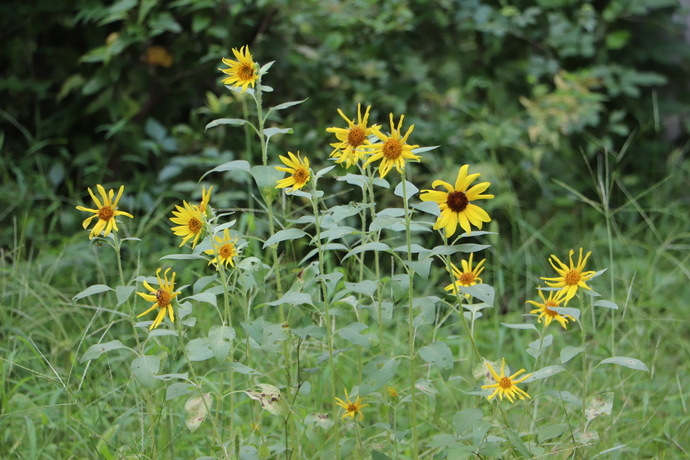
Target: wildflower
(467, 276)
(506, 386)
(352, 138)
(544, 310)
(158, 55)
(190, 223)
(224, 250)
(298, 168)
(456, 203)
(570, 277)
(394, 150)
(162, 298)
(242, 71)
(351, 408)
(106, 212)
(392, 392)
(205, 198)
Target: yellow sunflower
(348, 150)
(506, 386)
(190, 223)
(106, 212)
(394, 150)
(224, 250)
(467, 276)
(298, 167)
(205, 198)
(162, 298)
(554, 300)
(352, 409)
(456, 203)
(571, 277)
(243, 72)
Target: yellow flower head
(106, 212)
(224, 250)
(506, 386)
(352, 409)
(190, 223)
(392, 392)
(243, 71)
(205, 198)
(394, 150)
(456, 203)
(554, 300)
(571, 277)
(162, 298)
(467, 276)
(298, 167)
(352, 139)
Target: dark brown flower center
(194, 225)
(392, 149)
(106, 213)
(467, 278)
(572, 277)
(355, 137)
(352, 407)
(550, 303)
(246, 72)
(226, 251)
(301, 175)
(163, 298)
(457, 201)
(505, 383)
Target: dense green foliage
(574, 110)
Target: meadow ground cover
(380, 327)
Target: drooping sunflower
(298, 168)
(162, 298)
(224, 250)
(190, 223)
(204, 208)
(571, 277)
(393, 150)
(555, 299)
(467, 276)
(506, 386)
(243, 71)
(352, 139)
(106, 212)
(456, 203)
(352, 409)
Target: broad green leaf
(220, 341)
(569, 353)
(421, 268)
(438, 353)
(249, 452)
(183, 257)
(366, 287)
(97, 350)
(352, 333)
(196, 410)
(605, 304)
(376, 455)
(268, 132)
(205, 297)
(293, 298)
(368, 247)
(586, 438)
(466, 248)
(483, 292)
(517, 443)
(632, 363)
(265, 67)
(537, 347)
(520, 326)
(199, 349)
(601, 405)
(466, 419)
(574, 312)
(424, 149)
(286, 105)
(225, 121)
(270, 398)
(285, 235)
(234, 367)
(235, 165)
(411, 190)
(545, 372)
(551, 431)
(144, 368)
(377, 373)
(122, 293)
(565, 396)
(442, 440)
(92, 290)
(178, 389)
(167, 377)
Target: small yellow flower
(243, 71)
(456, 203)
(352, 139)
(467, 276)
(205, 198)
(162, 298)
(392, 392)
(106, 212)
(554, 300)
(351, 408)
(394, 150)
(158, 55)
(298, 167)
(224, 250)
(570, 277)
(190, 223)
(506, 386)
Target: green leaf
(574, 312)
(183, 257)
(199, 349)
(483, 292)
(366, 287)
(466, 419)
(196, 411)
(205, 297)
(552, 431)
(411, 190)
(605, 304)
(466, 248)
(92, 290)
(144, 368)
(569, 353)
(564, 396)
(517, 443)
(225, 121)
(376, 455)
(286, 105)
(270, 399)
(601, 405)
(122, 293)
(273, 131)
(352, 333)
(438, 353)
(368, 247)
(520, 326)
(293, 298)
(422, 267)
(178, 389)
(377, 373)
(234, 367)
(97, 350)
(284, 235)
(545, 372)
(235, 165)
(220, 341)
(632, 363)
